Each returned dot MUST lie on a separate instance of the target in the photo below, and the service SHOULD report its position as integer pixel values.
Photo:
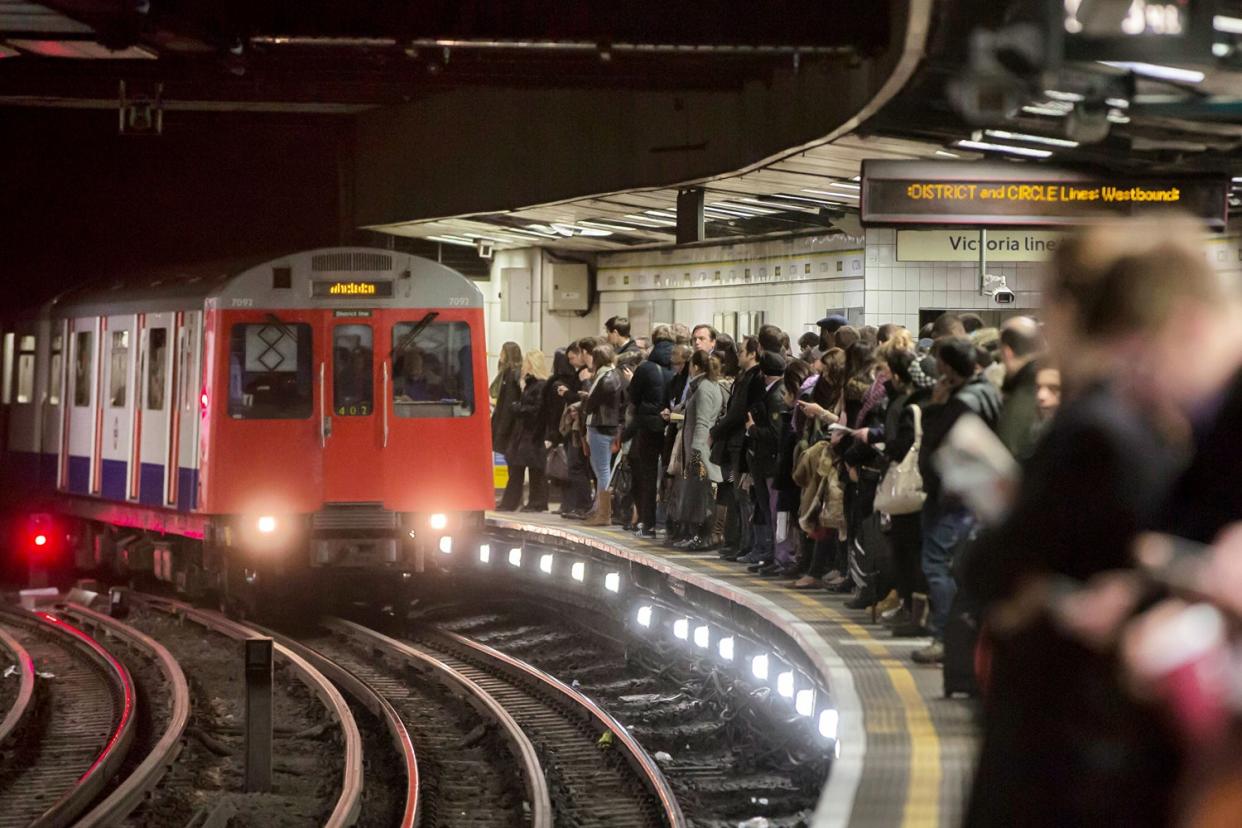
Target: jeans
(601, 458)
(645, 465)
(943, 531)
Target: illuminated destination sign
(351, 289)
(917, 192)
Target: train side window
(9, 342)
(119, 372)
(353, 377)
(26, 347)
(82, 361)
(54, 370)
(270, 371)
(157, 367)
(432, 370)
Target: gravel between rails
(209, 773)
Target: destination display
(351, 289)
(918, 192)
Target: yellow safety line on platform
(922, 805)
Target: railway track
(75, 726)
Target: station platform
(912, 756)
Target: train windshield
(270, 371)
(352, 384)
(432, 369)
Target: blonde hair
(535, 364)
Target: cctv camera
(995, 287)
(485, 248)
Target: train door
(79, 448)
(186, 390)
(353, 414)
(153, 410)
(53, 397)
(117, 408)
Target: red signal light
(40, 539)
(202, 399)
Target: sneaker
(644, 533)
(933, 653)
(749, 558)
(843, 587)
(534, 509)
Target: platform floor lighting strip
(828, 721)
(545, 564)
(485, 553)
(1157, 71)
(785, 684)
(725, 648)
(759, 667)
(1030, 139)
(612, 582)
(643, 616)
(1067, 97)
(515, 556)
(1024, 151)
(681, 628)
(804, 703)
(578, 571)
(702, 636)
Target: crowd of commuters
(772, 457)
(1102, 558)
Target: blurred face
(615, 339)
(678, 362)
(576, 358)
(702, 340)
(1047, 392)
(589, 361)
(746, 360)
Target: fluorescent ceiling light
(1157, 71)
(451, 240)
(1057, 95)
(1223, 23)
(848, 185)
(1045, 110)
(947, 154)
(1031, 139)
(1024, 151)
(743, 208)
(1120, 103)
(827, 193)
(1221, 49)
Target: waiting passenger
(602, 413)
(526, 451)
(698, 471)
(506, 390)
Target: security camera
(995, 287)
(485, 248)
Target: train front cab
(357, 436)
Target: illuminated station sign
(980, 193)
(351, 289)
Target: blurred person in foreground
(1146, 334)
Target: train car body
(323, 409)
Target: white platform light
(785, 684)
(681, 628)
(644, 616)
(578, 571)
(612, 582)
(485, 553)
(438, 521)
(1157, 71)
(828, 720)
(702, 636)
(725, 648)
(1224, 23)
(804, 703)
(1031, 139)
(446, 545)
(989, 147)
(759, 666)
(545, 564)
(515, 556)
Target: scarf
(873, 396)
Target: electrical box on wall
(516, 295)
(570, 286)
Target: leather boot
(718, 527)
(603, 511)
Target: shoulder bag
(901, 489)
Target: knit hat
(772, 364)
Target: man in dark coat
(645, 430)
(728, 437)
(1020, 347)
(763, 431)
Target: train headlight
(438, 521)
(266, 524)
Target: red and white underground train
(324, 409)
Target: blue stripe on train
(79, 475)
(113, 474)
(187, 489)
(151, 484)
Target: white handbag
(901, 489)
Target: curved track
(77, 739)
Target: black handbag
(558, 463)
(622, 483)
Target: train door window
(119, 370)
(270, 371)
(432, 370)
(352, 372)
(157, 367)
(9, 343)
(82, 361)
(54, 368)
(26, 347)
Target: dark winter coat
(977, 396)
(563, 376)
(647, 388)
(729, 433)
(505, 413)
(764, 444)
(526, 444)
(1018, 416)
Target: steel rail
(379, 706)
(131, 792)
(641, 761)
(349, 803)
(25, 691)
(108, 761)
(519, 743)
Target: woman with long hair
(525, 451)
(703, 407)
(506, 391)
(602, 411)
